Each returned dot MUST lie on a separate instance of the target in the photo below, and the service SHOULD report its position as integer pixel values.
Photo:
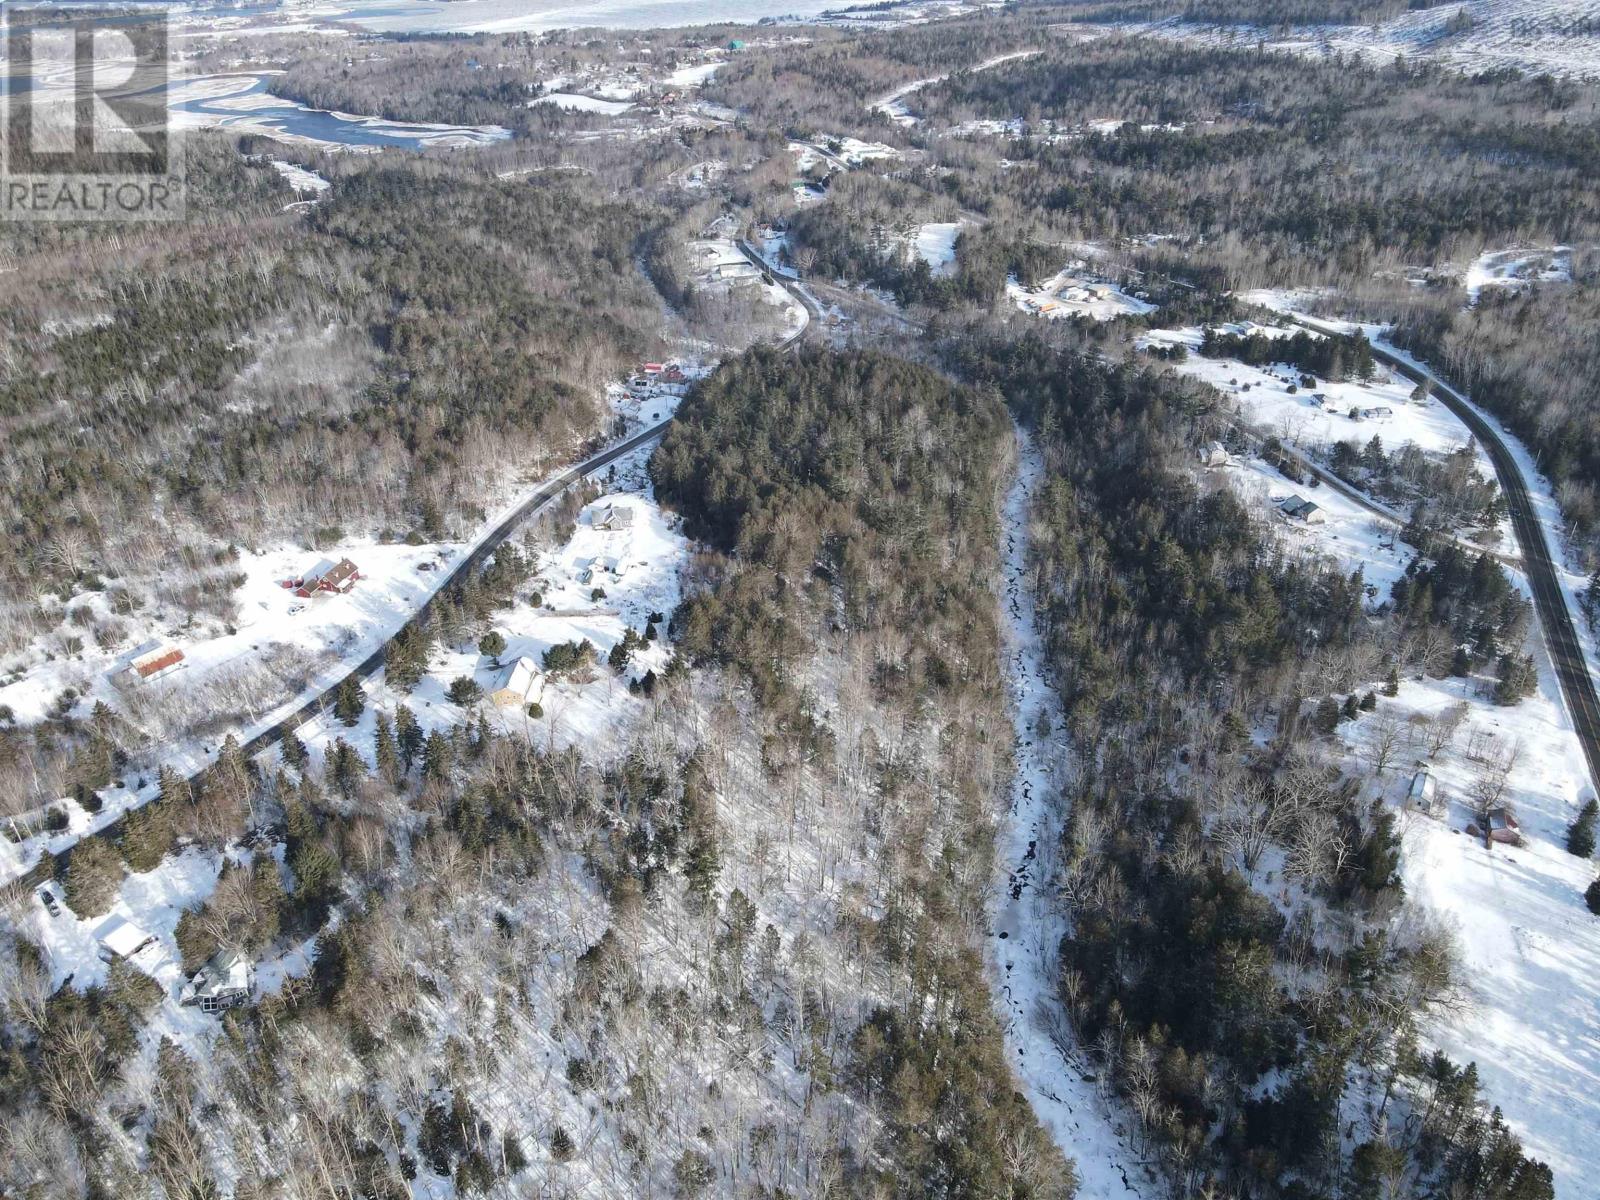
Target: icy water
(438, 16)
(1027, 923)
(248, 105)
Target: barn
(149, 665)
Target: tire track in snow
(1027, 927)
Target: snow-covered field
(693, 75)
(1529, 1012)
(1296, 417)
(1027, 924)
(573, 102)
(1350, 534)
(1072, 293)
(936, 245)
(1298, 420)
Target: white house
(516, 682)
(613, 517)
(1215, 454)
(224, 982)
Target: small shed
(516, 682)
(613, 517)
(122, 937)
(1423, 794)
(224, 982)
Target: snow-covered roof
(614, 516)
(121, 936)
(225, 971)
(518, 678)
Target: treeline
(423, 326)
(851, 495)
(1183, 975)
(818, 475)
(1431, 163)
(1532, 357)
(1334, 357)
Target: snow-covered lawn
(1349, 534)
(1529, 948)
(1072, 293)
(638, 571)
(1299, 420)
(936, 245)
(590, 104)
(395, 579)
(694, 75)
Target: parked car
(49, 901)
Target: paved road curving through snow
(1027, 926)
(1555, 618)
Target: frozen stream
(1027, 926)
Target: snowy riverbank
(1027, 926)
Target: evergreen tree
(349, 702)
(464, 690)
(409, 734)
(266, 887)
(701, 867)
(437, 758)
(172, 788)
(492, 645)
(1518, 678)
(1580, 834)
(347, 768)
(1391, 684)
(1591, 897)
(94, 876)
(406, 660)
(147, 836)
(292, 750)
(386, 753)
(562, 1147)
